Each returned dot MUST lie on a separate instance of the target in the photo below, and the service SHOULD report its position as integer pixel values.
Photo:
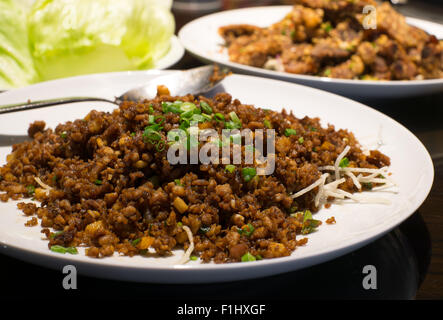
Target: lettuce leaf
(16, 65)
(73, 37)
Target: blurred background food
(48, 39)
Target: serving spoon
(195, 81)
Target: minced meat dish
(327, 38)
(104, 182)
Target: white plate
(175, 53)
(200, 37)
(173, 56)
(357, 224)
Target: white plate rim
(283, 264)
(289, 76)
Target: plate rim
(293, 76)
(50, 259)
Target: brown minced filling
(110, 190)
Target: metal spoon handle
(46, 103)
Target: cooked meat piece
(231, 32)
(394, 24)
(36, 126)
(403, 70)
(254, 51)
(347, 35)
(349, 69)
(367, 52)
(354, 6)
(298, 59)
(299, 24)
(431, 65)
(381, 69)
(329, 49)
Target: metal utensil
(193, 81)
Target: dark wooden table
(409, 259)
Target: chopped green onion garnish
(205, 107)
(301, 140)
(193, 258)
(173, 107)
(186, 114)
(151, 134)
(230, 168)
(198, 118)
(344, 163)
(234, 117)
(55, 234)
(206, 116)
(136, 241)
(64, 134)
(160, 146)
(248, 257)
(232, 125)
(267, 123)
(60, 249)
(327, 26)
(248, 173)
(188, 106)
(309, 224)
(219, 117)
(367, 185)
(132, 134)
(246, 231)
(290, 132)
(235, 122)
(98, 182)
(177, 182)
(204, 229)
(307, 216)
(327, 72)
(31, 189)
(179, 224)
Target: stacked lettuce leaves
(62, 38)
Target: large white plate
(175, 53)
(357, 224)
(200, 37)
(173, 56)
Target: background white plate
(173, 56)
(200, 37)
(357, 224)
(175, 53)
